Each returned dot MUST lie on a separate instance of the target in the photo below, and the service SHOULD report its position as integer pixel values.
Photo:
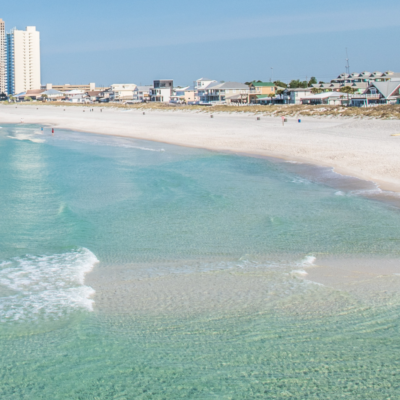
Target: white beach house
(142, 93)
(162, 90)
(221, 92)
(122, 91)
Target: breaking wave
(47, 286)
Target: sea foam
(26, 137)
(47, 286)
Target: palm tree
(348, 90)
(315, 90)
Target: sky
(131, 41)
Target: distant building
(384, 92)
(52, 95)
(185, 95)
(190, 95)
(328, 98)
(68, 87)
(76, 96)
(201, 84)
(294, 96)
(93, 95)
(122, 91)
(359, 87)
(23, 60)
(260, 90)
(3, 58)
(162, 90)
(223, 91)
(32, 94)
(142, 93)
(367, 77)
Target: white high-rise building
(3, 58)
(23, 59)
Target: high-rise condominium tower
(23, 60)
(3, 59)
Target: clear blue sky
(116, 41)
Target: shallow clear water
(197, 287)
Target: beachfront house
(31, 94)
(162, 90)
(190, 95)
(186, 95)
(104, 95)
(76, 96)
(328, 98)
(122, 91)
(259, 90)
(223, 92)
(294, 96)
(203, 82)
(384, 92)
(178, 95)
(52, 95)
(142, 93)
(93, 95)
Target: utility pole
(347, 64)
(272, 74)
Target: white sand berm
(363, 148)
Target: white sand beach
(362, 148)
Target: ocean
(140, 270)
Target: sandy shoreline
(361, 148)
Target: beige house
(68, 87)
(122, 91)
(185, 94)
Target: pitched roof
(386, 88)
(359, 85)
(325, 95)
(204, 79)
(93, 93)
(263, 83)
(34, 92)
(393, 75)
(75, 91)
(52, 92)
(227, 85)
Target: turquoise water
(89, 222)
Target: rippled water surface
(131, 269)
